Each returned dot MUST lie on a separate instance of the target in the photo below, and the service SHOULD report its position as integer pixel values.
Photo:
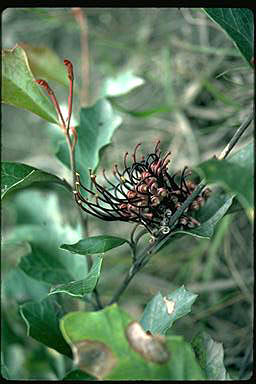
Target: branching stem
(143, 258)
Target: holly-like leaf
(161, 312)
(19, 87)
(42, 321)
(17, 176)
(210, 356)
(238, 24)
(94, 244)
(82, 287)
(109, 345)
(121, 84)
(97, 126)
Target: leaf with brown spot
(151, 347)
(94, 357)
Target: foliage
(238, 24)
(55, 257)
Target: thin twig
(236, 137)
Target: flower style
(145, 193)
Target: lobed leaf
(18, 176)
(19, 87)
(102, 347)
(161, 312)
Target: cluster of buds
(144, 193)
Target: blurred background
(201, 90)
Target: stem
(146, 254)
(236, 137)
(72, 160)
(99, 304)
(151, 249)
(70, 104)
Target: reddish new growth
(145, 193)
(64, 125)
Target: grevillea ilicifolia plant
(143, 192)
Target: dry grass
(190, 66)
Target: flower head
(144, 193)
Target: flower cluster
(144, 193)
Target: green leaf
(121, 84)
(97, 126)
(21, 287)
(214, 210)
(42, 264)
(19, 87)
(244, 156)
(17, 176)
(103, 347)
(161, 312)
(82, 287)
(94, 244)
(77, 375)
(210, 356)
(47, 229)
(42, 321)
(45, 63)
(238, 24)
(228, 172)
(209, 215)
